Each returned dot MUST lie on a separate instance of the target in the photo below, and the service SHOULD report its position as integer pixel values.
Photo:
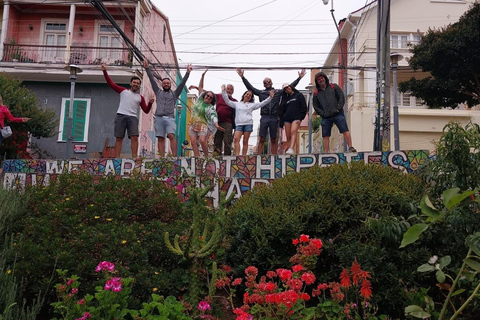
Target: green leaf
(445, 261)
(416, 311)
(440, 275)
(425, 268)
(428, 209)
(458, 292)
(451, 197)
(473, 242)
(475, 265)
(413, 233)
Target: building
(409, 20)
(39, 38)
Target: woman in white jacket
(244, 117)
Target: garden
(353, 241)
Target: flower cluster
(113, 284)
(105, 265)
(85, 316)
(285, 292)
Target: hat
(285, 85)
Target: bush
(76, 222)
(359, 210)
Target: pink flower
(105, 265)
(85, 316)
(80, 302)
(113, 284)
(74, 290)
(70, 282)
(203, 306)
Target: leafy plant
(470, 266)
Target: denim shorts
(164, 126)
(244, 128)
(339, 120)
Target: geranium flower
(308, 277)
(105, 265)
(304, 238)
(251, 270)
(317, 243)
(297, 268)
(295, 241)
(203, 306)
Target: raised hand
(104, 66)
(272, 93)
(189, 68)
(145, 63)
(302, 73)
(240, 72)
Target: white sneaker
(290, 151)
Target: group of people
(227, 119)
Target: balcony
(79, 54)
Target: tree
(452, 56)
(23, 103)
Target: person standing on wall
(292, 110)
(165, 112)
(328, 102)
(127, 113)
(226, 119)
(269, 113)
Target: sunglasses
(266, 82)
(209, 96)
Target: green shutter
(79, 117)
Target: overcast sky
(279, 37)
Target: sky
(268, 38)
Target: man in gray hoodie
(165, 112)
(328, 102)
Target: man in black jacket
(269, 113)
(328, 102)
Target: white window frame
(43, 36)
(62, 117)
(98, 33)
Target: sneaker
(352, 149)
(290, 151)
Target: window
(405, 99)
(108, 37)
(81, 116)
(164, 34)
(404, 41)
(55, 35)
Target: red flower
(295, 241)
(237, 281)
(304, 238)
(345, 279)
(308, 277)
(252, 271)
(355, 269)
(284, 274)
(271, 274)
(226, 268)
(317, 243)
(304, 296)
(297, 268)
(366, 289)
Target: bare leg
(246, 136)
(274, 146)
(348, 138)
(118, 147)
(161, 146)
(261, 144)
(236, 142)
(134, 146)
(293, 134)
(288, 132)
(204, 143)
(173, 144)
(326, 144)
(193, 140)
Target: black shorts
(124, 122)
(269, 124)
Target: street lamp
(310, 88)
(74, 70)
(395, 58)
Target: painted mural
(229, 173)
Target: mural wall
(229, 173)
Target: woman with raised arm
(204, 121)
(6, 114)
(292, 110)
(244, 117)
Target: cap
(285, 85)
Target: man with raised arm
(165, 112)
(127, 113)
(269, 114)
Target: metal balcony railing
(58, 54)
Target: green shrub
(359, 211)
(79, 220)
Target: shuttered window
(81, 115)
